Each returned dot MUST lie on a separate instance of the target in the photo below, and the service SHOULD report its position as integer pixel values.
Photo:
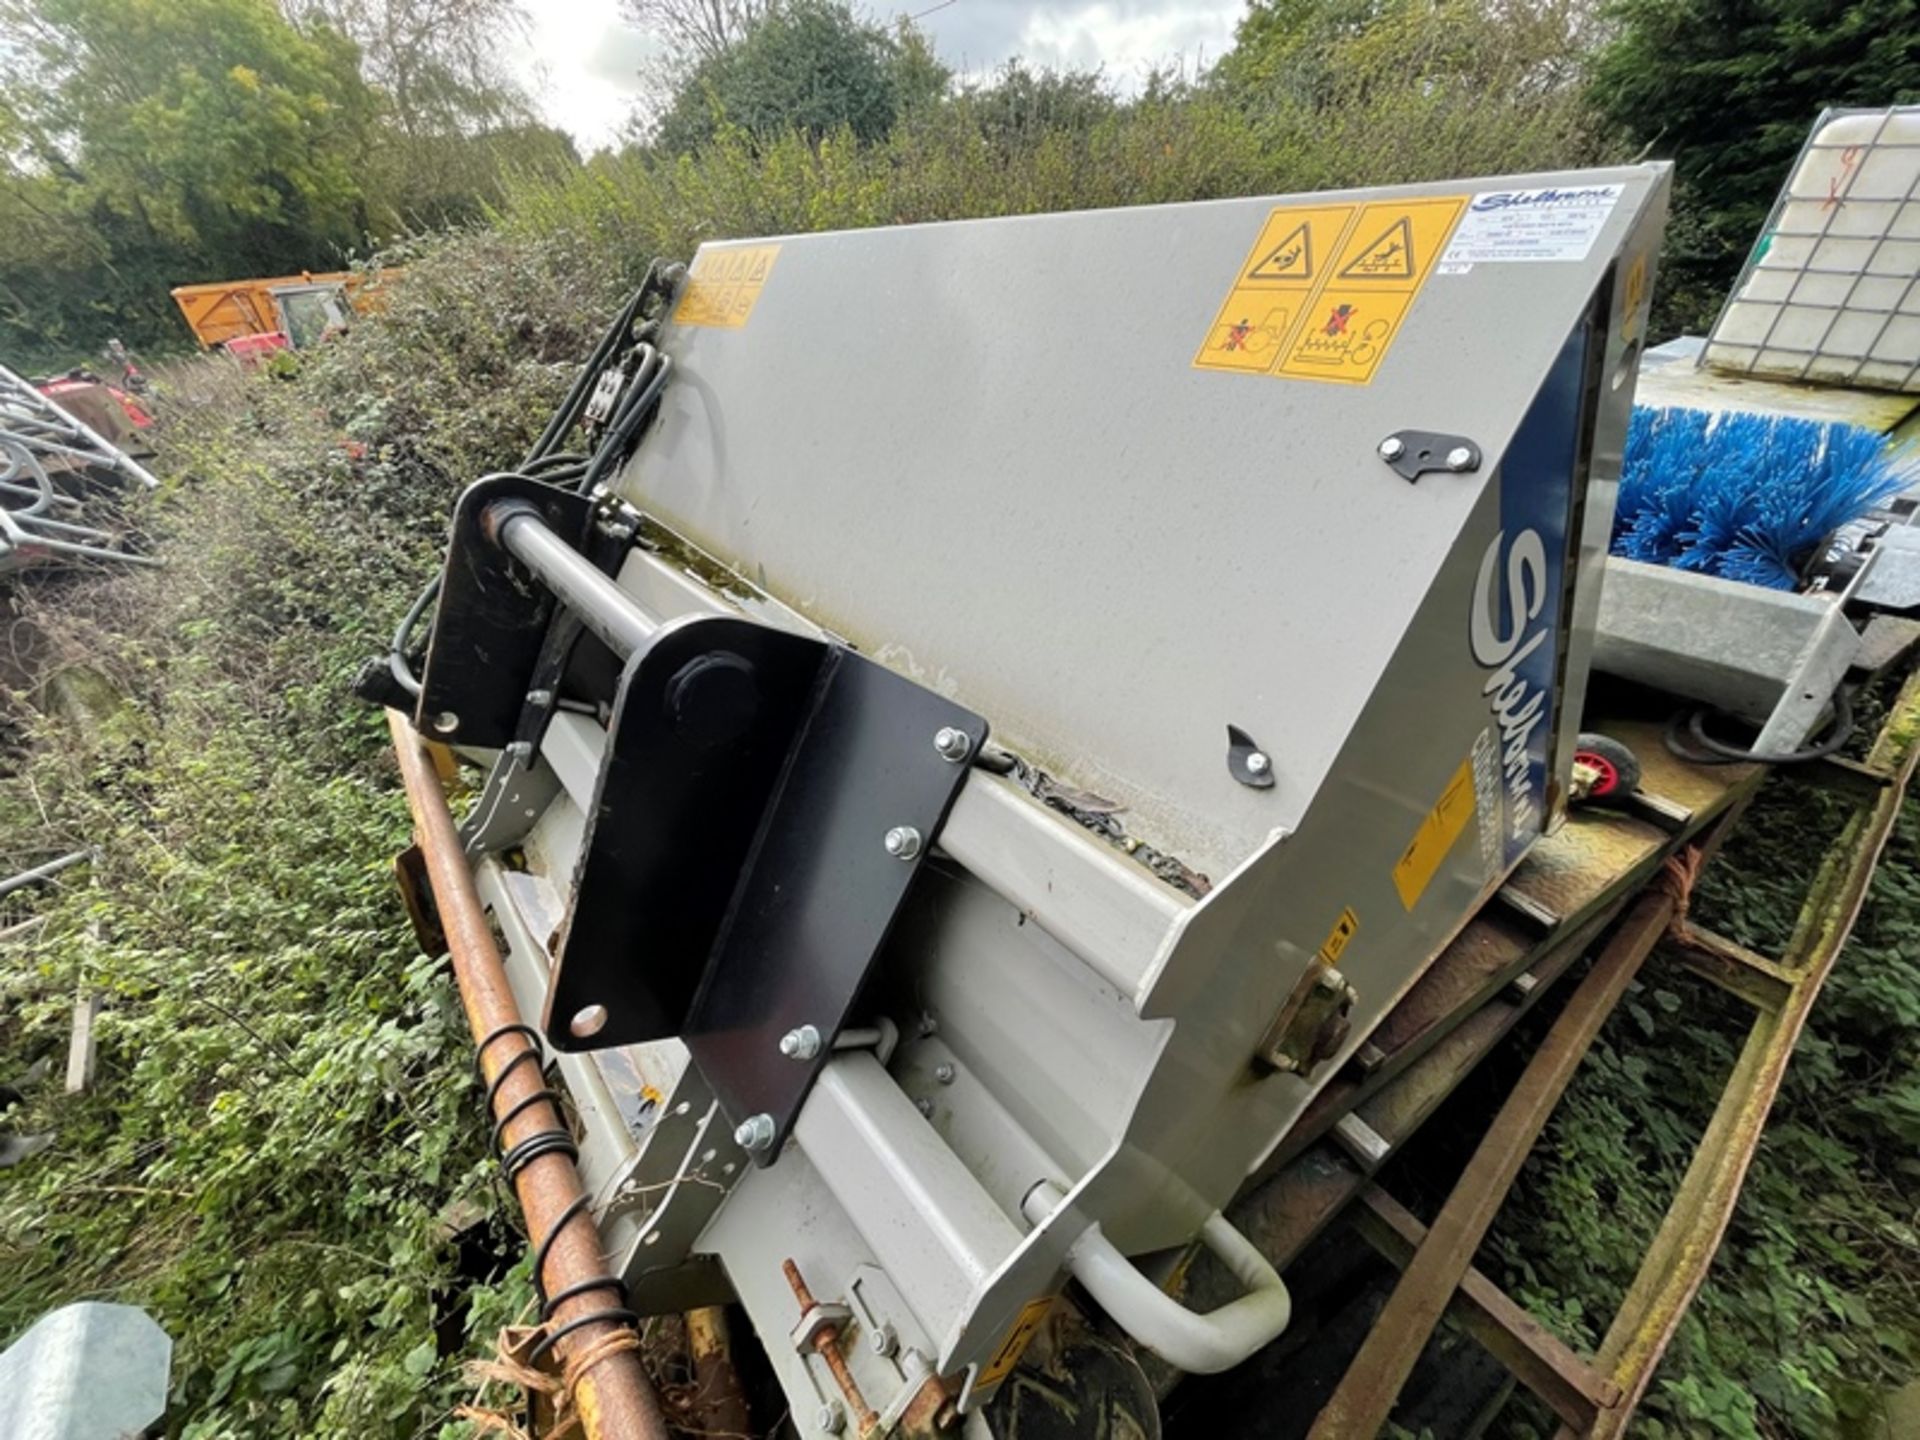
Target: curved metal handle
(1197, 1344)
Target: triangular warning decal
(1388, 258)
(1291, 259)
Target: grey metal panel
(86, 1371)
(911, 1199)
(981, 452)
(1771, 657)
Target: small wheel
(1605, 772)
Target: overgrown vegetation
(1811, 1317)
(284, 1126)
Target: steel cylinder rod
(614, 1397)
(603, 607)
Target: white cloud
(1127, 42)
(581, 67)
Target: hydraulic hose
(544, 462)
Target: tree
(1729, 89)
(695, 31)
(1020, 105)
(811, 66)
(144, 145)
(436, 62)
(176, 142)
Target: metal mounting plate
(492, 618)
(821, 891)
(671, 827)
(734, 881)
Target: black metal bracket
(492, 619)
(735, 880)
(763, 803)
(1413, 453)
(1246, 761)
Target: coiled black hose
(1687, 737)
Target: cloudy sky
(582, 59)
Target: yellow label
(1025, 1327)
(1337, 938)
(1636, 287)
(724, 285)
(1435, 836)
(1383, 260)
(1274, 289)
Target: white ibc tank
(1831, 293)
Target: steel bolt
(1459, 458)
(881, 1340)
(1258, 763)
(831, 1418)
(801, 1044)
(925, 1107)
(903, 842)
(952, 744)
(540, 698)
(521, 751)
(944, 1073)
(754, 1134)
(1392, 448)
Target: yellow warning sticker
(1274, 288)
(1025, 1327)
(1336, 942)
(1435, 837)
(1373, 280)
(724, 285)
(1632, 301)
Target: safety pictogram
(1291, 259)
(1376, 275)
(1388, 257)
(724, 285)
(1274, 288)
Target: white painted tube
(1197, 1344)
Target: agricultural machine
(1019, 760)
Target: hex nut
(953, 745)
(754, 1134)
(802, 1043)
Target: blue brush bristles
(1743, 496)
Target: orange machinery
(288, 310)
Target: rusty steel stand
(1596, 1396)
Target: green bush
(285, 1114)
(1425, 96)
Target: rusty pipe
(826, 1344)
(613, 1395)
